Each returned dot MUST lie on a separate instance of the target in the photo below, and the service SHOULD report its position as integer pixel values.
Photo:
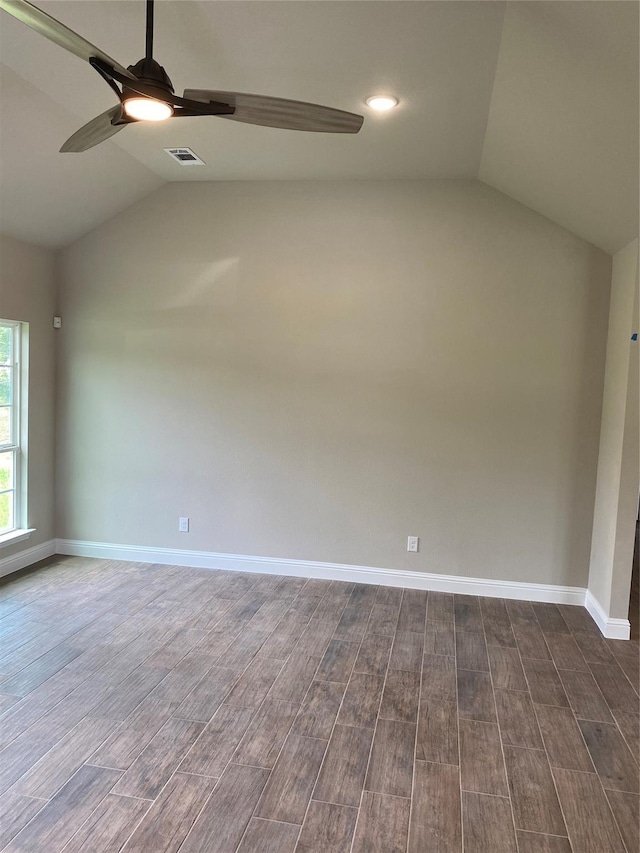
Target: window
(12, 494)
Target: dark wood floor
(157, 709)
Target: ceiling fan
(145, 92)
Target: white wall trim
(613, 629)
(325, 571)
(16, 536)
(617, 629)
(27, 557)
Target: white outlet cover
(183, 525)
(412, 543)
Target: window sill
(16, 536)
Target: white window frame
(18, 444)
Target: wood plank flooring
(159, 709)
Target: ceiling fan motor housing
(153, 74)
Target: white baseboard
(617, 629)
(326, 571)
(27, 557)
(613, 629)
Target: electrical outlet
(412, 543)
(183, 526)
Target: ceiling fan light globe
(147, 109)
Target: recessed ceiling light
(381, 103)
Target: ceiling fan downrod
(149, 30)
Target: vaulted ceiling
(538, 99)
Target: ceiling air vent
(185, 156)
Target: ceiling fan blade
(95, 131)
(280, 112)
(52, 29)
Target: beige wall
(27, 293)
(616, 501)
(317, 370)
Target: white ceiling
(539, 99)
(562, 135)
